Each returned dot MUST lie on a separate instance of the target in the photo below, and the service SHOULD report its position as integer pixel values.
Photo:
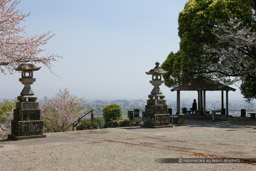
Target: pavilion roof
(203, 84)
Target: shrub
(140, 123)
(122, 123)
(111, 124)
(86, 124)
(127, 122)
(109, 112)
(6, 108)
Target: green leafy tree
(109, 112)
(200, 23)
(248, 86)
(172, 65)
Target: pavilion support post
(178, 102)
(222, 103)
(227, 103)
(204, 94)
(201, 100)
(198, 100)
(222, 99)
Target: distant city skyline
(107, 47)
(127, 105)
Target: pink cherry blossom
(15, 46)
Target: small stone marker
(130, 114)
(117, 113)
(181, 119)
(136, 113)
(174, 119)
(243, 112)
(184, 110)
(170, 111)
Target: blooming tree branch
(15, 47)
(61, 110)
(236, 49)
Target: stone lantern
(26, 122)
(156, 111)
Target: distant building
(45, 98)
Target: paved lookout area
(133, 148)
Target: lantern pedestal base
(26, 130)
(157, 121)
(156, 114)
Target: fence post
(73, 127)
(130, 114)
(243, 112)
(92, 126)
(136, 113)
(170, 111)
(184, 111)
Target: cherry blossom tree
(61, 110)
(237, 44)
(15, 46)
(237, 52)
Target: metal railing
(77, 121)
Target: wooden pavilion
(201, 85)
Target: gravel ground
(133, 148)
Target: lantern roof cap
(157, 70)
(27, 67)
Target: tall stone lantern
(26, 122)
(156, 111)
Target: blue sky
(107, 46)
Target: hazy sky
(107, 46)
